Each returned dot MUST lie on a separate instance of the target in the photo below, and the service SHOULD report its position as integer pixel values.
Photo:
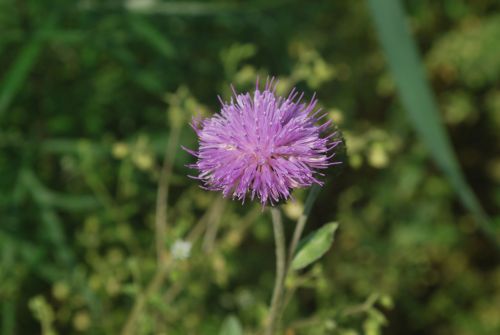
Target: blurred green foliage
(93, 92)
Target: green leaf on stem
(313, 246)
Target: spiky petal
(261, 145)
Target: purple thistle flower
(263, 146)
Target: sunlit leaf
(313, 246)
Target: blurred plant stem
(163, 269)
(97, 186)
(153, 286)
(163, 264)
(213, 227)
(283, 263)
(212, 217)
(364, 307)
(279, 238)
(162, 194)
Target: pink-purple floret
(263, 146)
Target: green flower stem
(282, 262)
(301, 222)
(279, 284)
(297, 234)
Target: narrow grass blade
(49, 198)
(418, 100)
(18, 72)
(151, 35)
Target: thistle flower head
(263, 146)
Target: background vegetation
(92, 94)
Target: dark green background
(90, 92)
